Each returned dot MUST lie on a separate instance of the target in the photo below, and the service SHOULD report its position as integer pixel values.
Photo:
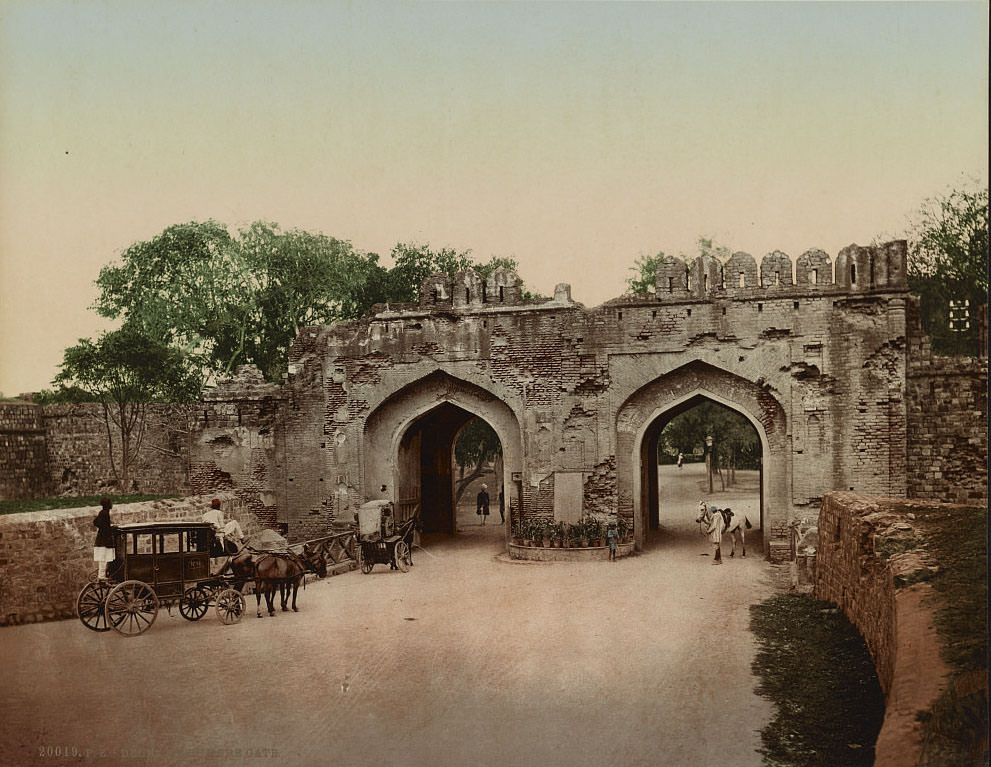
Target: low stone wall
(46, 557)
(893, 614)
(587, 554)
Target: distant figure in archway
(681, 459)
(502, 509)
(482, 503)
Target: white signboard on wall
(568, 496)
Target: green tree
(644, 279)
(735, 441)
(414, 263)
(125, 370)
(301, 279)
(187, 287)
(223, 301)
(948, 261)
(477, 445)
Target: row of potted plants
(588, 531)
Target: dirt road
(468, 659)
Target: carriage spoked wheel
(230, 606)
(365, 563)
(402, 556)
(194, 603)
(90, 605)
(131, 608)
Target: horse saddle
(727, 516)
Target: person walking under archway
(482, 503)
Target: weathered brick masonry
(817, 364)
(947, 422)
(23, 460)
(62, 450)
(826, 361)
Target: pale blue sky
(572, 136)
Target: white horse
(734, 524)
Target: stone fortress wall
(826, 360)
(813, 354)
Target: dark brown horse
(270, 570)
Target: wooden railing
(339, 548)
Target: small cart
(381, 540)
(158, 563)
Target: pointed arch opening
(412, 441)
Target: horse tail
(747, 520)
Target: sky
(573, 137)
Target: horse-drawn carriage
(381, 540)
(158, 563)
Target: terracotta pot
(517, 541)
(527, 542)
(584, 543)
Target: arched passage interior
(655, 496)
(427, 479)
(646, 409)
(410, 438)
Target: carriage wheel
(230, 606)
(365, 563)
(194, 603)
(131, 608)
(90, 604)
(402, 556)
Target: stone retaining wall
(892, 613)
(47, 556)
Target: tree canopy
(125, 370)
(948, 262)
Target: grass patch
(955, 731)
(73, 502)
(814, 666)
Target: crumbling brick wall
(947, 422)
(23, 457)
(871, 561)
(238, 444)
(815, 356)
(79, 461)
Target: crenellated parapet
(705, 277)
(857, 269)
(469, 291)
(775, 271)
(814, 267)
(671, 279)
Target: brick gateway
(813, 354)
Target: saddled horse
(271, 570)
(734, 524)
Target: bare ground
(467, 659)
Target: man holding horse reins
(715, 528)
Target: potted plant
(517, 532)
(623, 528)
(594, 530)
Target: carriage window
(196, 540)
(168, 543)
(141, 543)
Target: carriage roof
(162, 527)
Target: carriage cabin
(167, 555)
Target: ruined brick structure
(826, 361)
(813, 356)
